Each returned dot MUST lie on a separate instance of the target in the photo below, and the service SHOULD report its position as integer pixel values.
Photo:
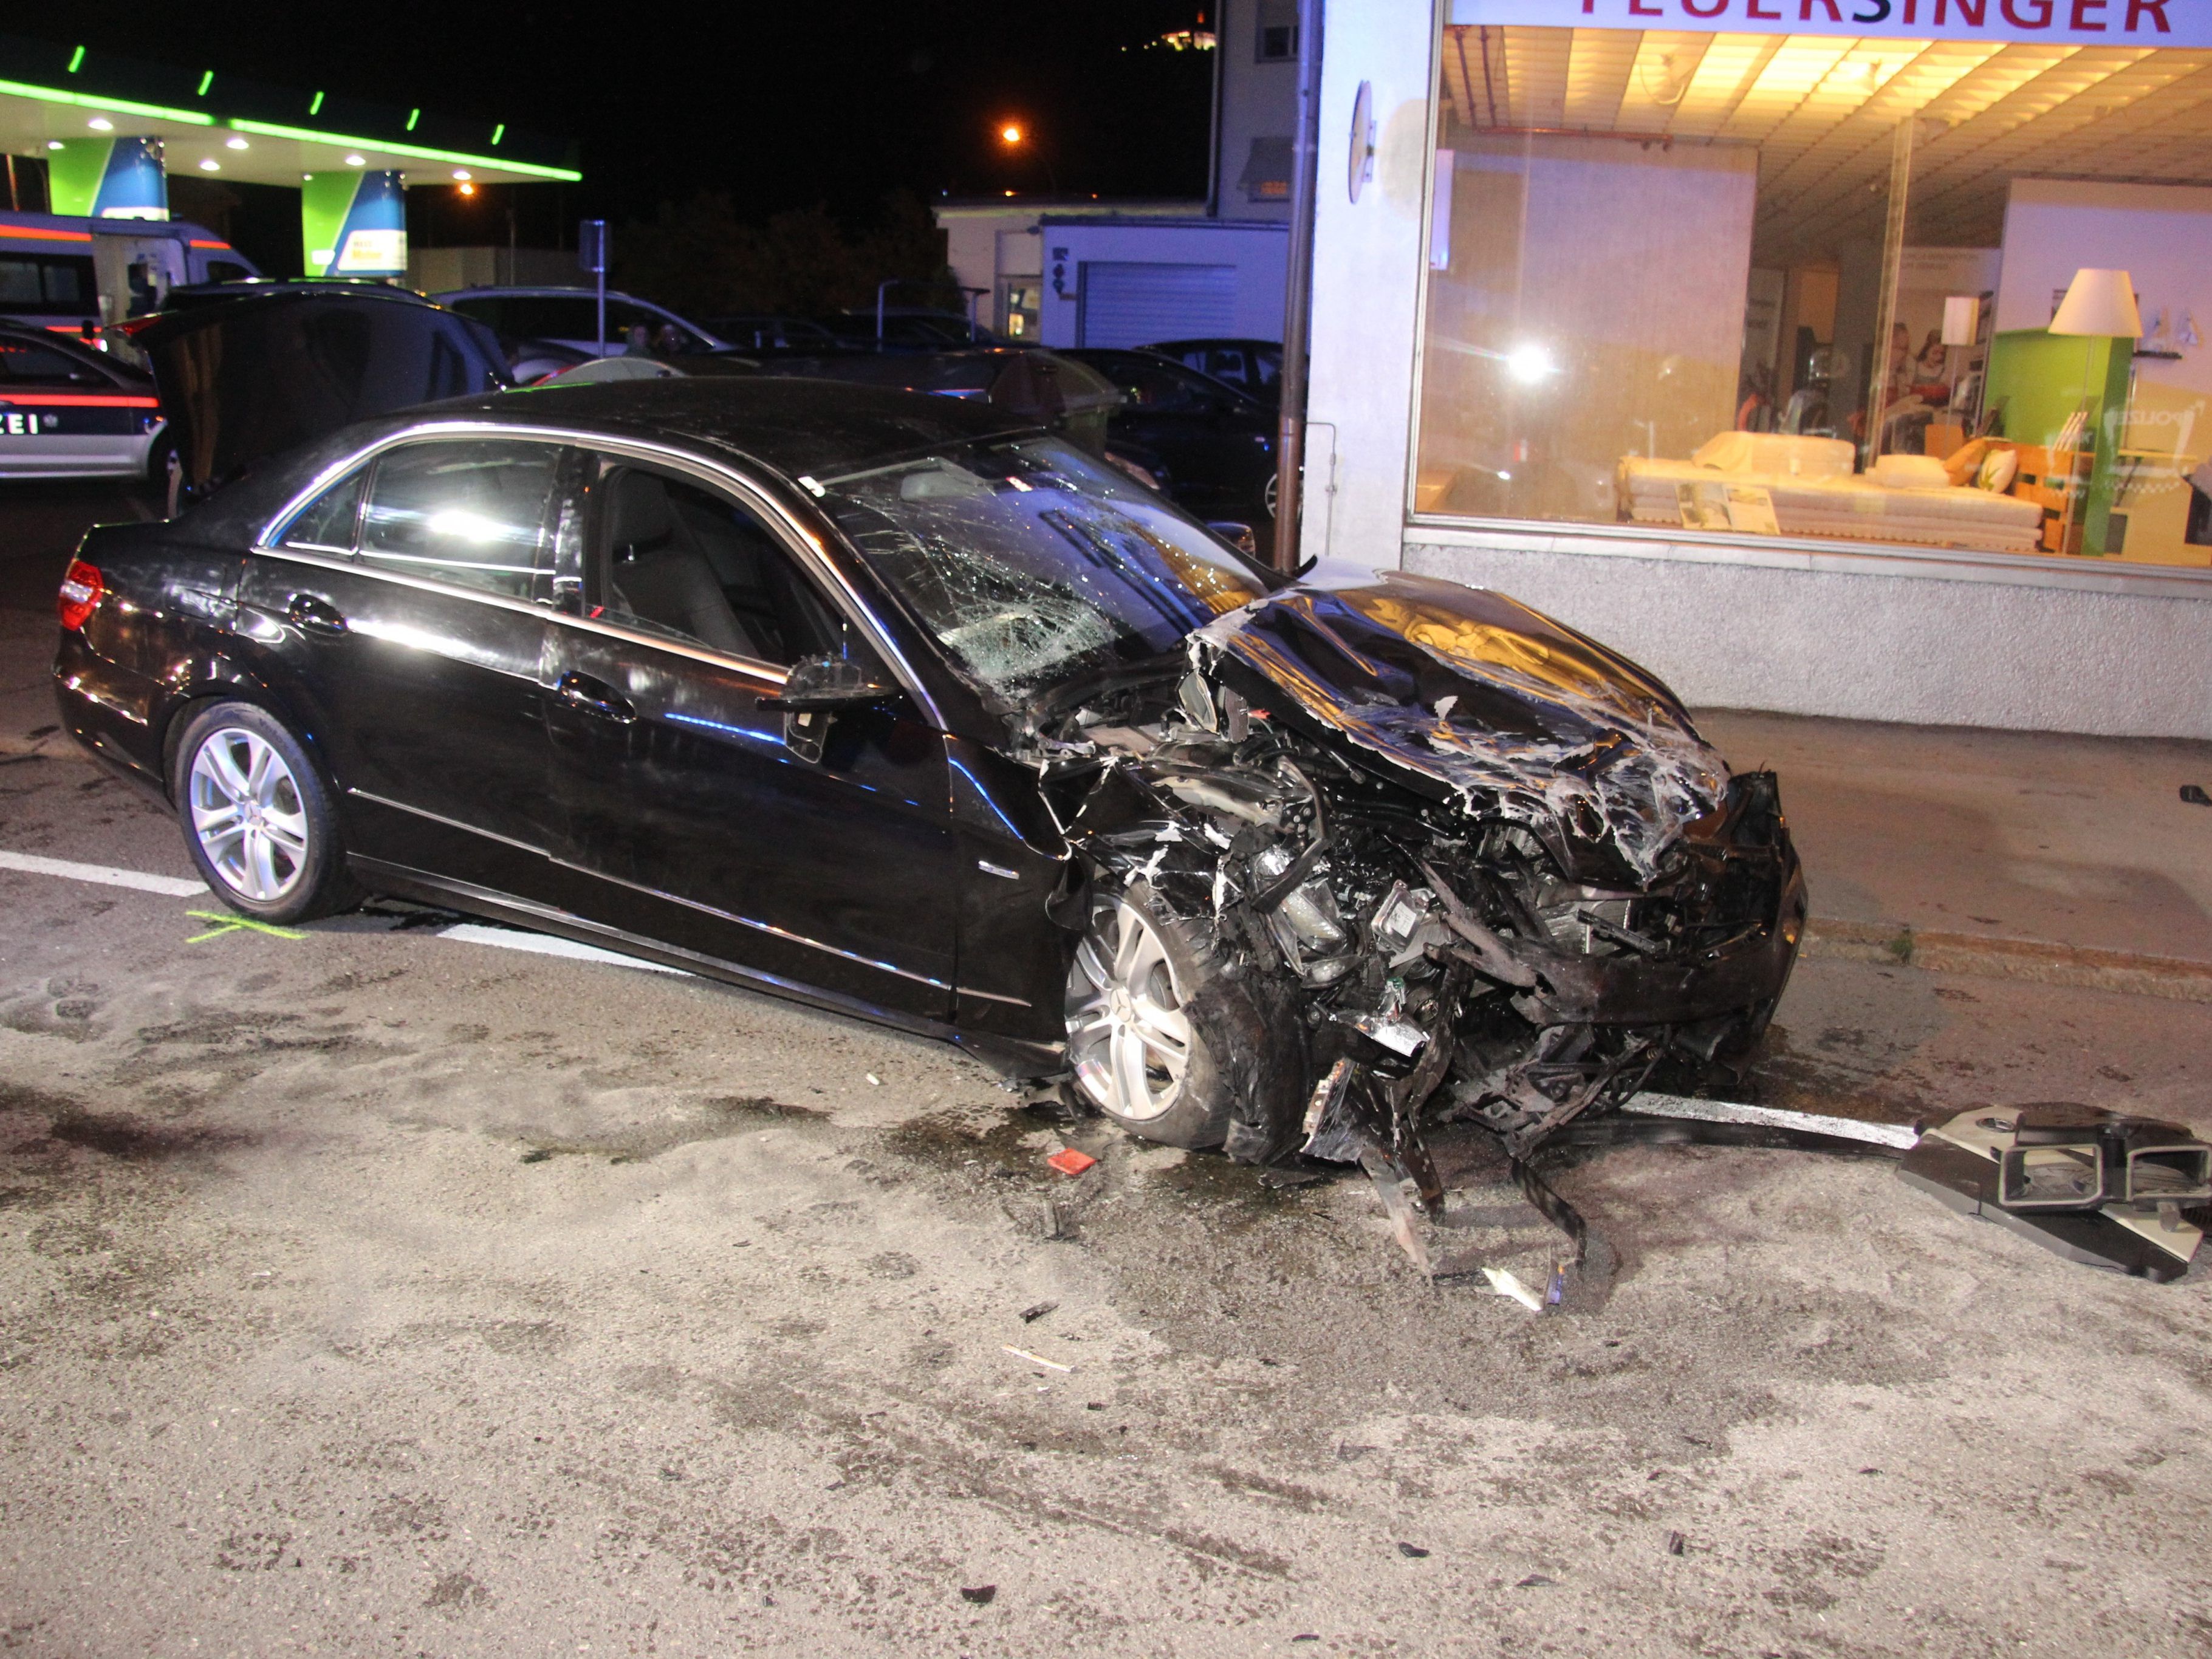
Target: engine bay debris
(1427, 856)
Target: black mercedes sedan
(883, 703)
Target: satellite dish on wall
(1363, 139)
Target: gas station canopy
(221, 126)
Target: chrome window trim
(801, 542)
(538, 608)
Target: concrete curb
(1894, 944)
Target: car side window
(472, 512)
(673, 557)
(21, 361)
(554, 317)
(325, 524)
(1155, 388)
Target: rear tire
(258, 816)
(1176, 1039)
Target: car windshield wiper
(1112, 677)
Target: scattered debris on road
(2130, 1195)
(980, 1594)
(1037, 1359)
(1030, 1316)
(2195, 795)
(1070, 1162)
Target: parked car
(910, 328)
(252, 372)
(67, 273)
(1033, 387)
(569, 317)
(68, 410)
(1217, 443)
(895, 706)
(1252, 366)
(768, 332)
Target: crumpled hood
(1519, 716)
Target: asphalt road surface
(381, 1291)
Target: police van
(72, 275)
(70, 406)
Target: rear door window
(552, 317)
(24, 361)
(46, 284)
(325, 524)
(471, 513)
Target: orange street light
(1011, 134)
(466, 189)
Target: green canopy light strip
(120, 106)
(271, 129)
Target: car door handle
(594, 696)
(313, 615)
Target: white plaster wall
(1258, 100)
(1369, 263)
(1864, 643)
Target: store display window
(1932, 294)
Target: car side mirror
(815, 690)
(1238, 534)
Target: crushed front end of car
(1483, 868)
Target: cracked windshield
(1030, 561)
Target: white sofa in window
(1907, 498)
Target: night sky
(780, 107)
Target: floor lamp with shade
(2099, 304)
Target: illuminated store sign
(2072, 23)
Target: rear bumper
(112, 710)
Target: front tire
(1173, 1039)
(257, 817)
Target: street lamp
(1013, 136)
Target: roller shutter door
(1131, 305)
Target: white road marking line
(468, 933)
(104, 875)
(1728, 1111)
(547, 944)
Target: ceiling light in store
(210, 165)
(357, 161)
(461, 175)
(233, 143)
(53, 143)
(1528, 363)
(101, 124)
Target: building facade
(1784, 350)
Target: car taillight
(81, 587)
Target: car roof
(799, 426)
(1250, 343)
(541, 291)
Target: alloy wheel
(248, 815)
(1128, 1038)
